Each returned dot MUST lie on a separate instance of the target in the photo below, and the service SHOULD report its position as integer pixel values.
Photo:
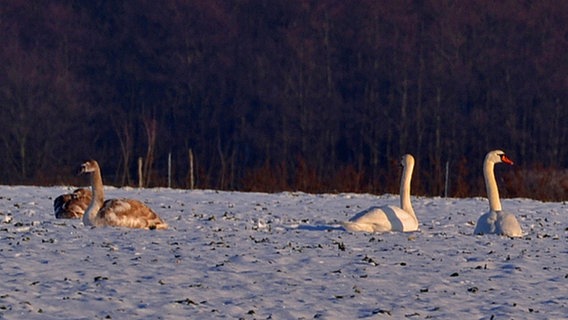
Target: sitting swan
(389, 218)
(495, 220)
(72, 205)
(116, 212)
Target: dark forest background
(318, 96)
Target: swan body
(116, 212)
(382, 219)
(495, 221)
(389, 218)
(72, 205)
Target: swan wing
(129, 213)
(502, 223)
(72, 205)
(486, 223)
(508, 225)
(75, 209)
(382, 219)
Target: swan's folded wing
(75, 210)
(485, 223)
(382, 219)
(69, 206)
(508, 225)
(365, 227)
(130, 213)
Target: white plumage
(495, 220)
(389, 218)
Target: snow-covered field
(278, 256)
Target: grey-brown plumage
(116, 212)
(72, 205)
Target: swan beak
(506, 159)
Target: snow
(279, 256)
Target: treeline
(319, 96)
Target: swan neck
(491, 186)
(405, 181)
(98, 198)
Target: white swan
(72, 205)
(116, 212)
(389, 218)
(495, 220)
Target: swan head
(407, 160)
(88, 167)
(498, 156)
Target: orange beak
(506, 160)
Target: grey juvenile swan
(116, 212)
(72, 205)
